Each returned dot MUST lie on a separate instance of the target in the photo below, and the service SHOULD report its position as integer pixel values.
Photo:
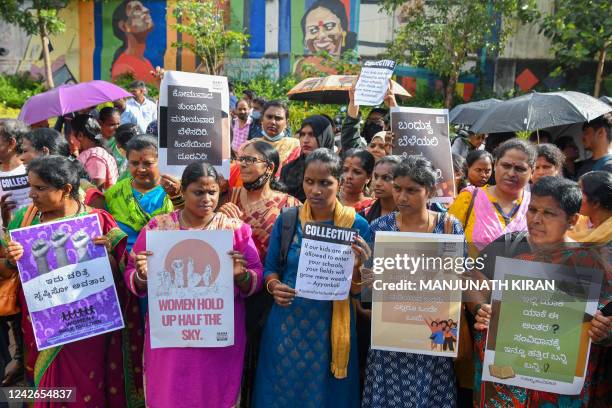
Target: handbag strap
(470, 207)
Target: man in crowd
(143, 109)
(597, 138)
(241, 124)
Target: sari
(596, 387)
(104, 369)
(132, 209)
(485, 222)
(261, 216)
(198, 377)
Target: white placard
(326, 262)
(194, 122)
(191, 289)
(373, 82)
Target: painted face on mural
(323, 32)
(139, 18)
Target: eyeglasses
(250, 160)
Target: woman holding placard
(192, 377)
(303, 338)
(553, 212)
(258, 203)
(416, 379)
(95, 365)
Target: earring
(344, 39)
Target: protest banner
(373, 82)
(326, 262)
(194, 122)
(19, 189)
(191, 289)
(424, 132)
(538, 339)
(67, 281)
(406, 315)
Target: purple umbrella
(69, 98)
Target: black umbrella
(468, 113)
(606, 99)
(538, 111)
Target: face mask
(370, 129)
(259, 183)
(256, 115)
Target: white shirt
(144, 114)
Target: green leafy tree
(441, 35)
(580, 31)
(39, 17)
(345, 64)
(210, 40)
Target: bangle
(268, 284)
(356, 283)
(245, 278)
(139, 278)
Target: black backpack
(258, 306)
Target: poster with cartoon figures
(407, 316)
(191, 289)
(67, 281)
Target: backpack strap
(289, 217)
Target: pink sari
(198, 377)
(487, 227)
(104, 369)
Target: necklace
(189, 226)
(428, 221)
(40, 214)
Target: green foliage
(440, 35)
(124, 81)
(203, 21)
(346, 64)
(43, 12)
(579, 30)
(267, 88)
(16, 89)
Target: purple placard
(67, 281)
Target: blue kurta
(396, 379)
(294, 363)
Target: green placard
(539, 331)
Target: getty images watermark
(449, 274)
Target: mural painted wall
(104, 39)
